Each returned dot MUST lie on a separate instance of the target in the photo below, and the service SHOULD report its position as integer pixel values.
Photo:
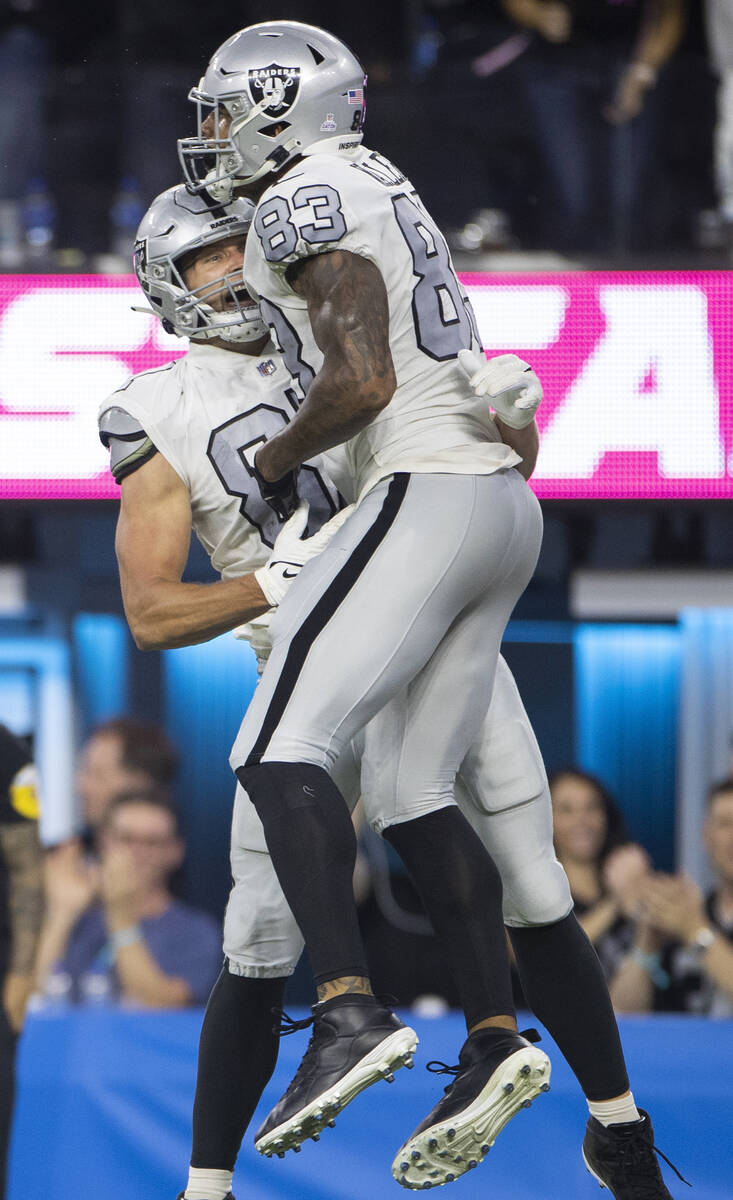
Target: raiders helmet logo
(276, 85)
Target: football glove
(291, 551)
(281, 494)
(513, 389)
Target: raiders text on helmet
(287, 87)
(176, 224)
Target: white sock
(609, 1112)
(205, 1184)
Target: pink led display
(66, 343)
(636, 368)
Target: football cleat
(182, 1196)
(622, 1159)
(498, 1073)
(355, 1043)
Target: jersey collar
(203, 354)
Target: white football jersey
(358, 201)
(207, 414)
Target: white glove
(291, 551)
(513, 389)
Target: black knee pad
(279, 788)
(312, 844)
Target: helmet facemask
(238, 321)
(217, 164)
(177, 227)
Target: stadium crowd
(595, 130)
(117, 928)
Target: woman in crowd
(605, 869)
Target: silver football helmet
(176, 224)
(286, 89)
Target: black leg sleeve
(461, 890)
(312, 845)
(237, 1055)
(566, 989)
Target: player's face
(719, 835)
(579, 819)
(213, 130)
(203, 274)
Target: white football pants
(400, 620)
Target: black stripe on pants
(324, 610)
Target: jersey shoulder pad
(310, 212)
(128, 444)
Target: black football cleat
(498, 1073)
(622, 1159)
(182, 1195)
(355, 1043)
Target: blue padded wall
(102, 646)
(104, 1111)
(206, 691)
(627, 683)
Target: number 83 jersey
(357, 201)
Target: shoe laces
(440, 1068)
(634, 1157)
(286, 1025)
(669, 1163)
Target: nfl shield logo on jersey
(267, 367)
(276, 85)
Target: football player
(358, 286)
(164, 432)
(417, 570)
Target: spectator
(589, 82)
(120, 755)
(682, 956)
(114, 930)
(605, 870)
(719, 15)
(21, 907)
(461, 99)
(161, 53)
(24, 71)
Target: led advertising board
(637, 370)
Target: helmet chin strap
(222, 189)
(274, 161)
(240, 334)
(244, 331)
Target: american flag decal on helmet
(267, 367)
(356, 95)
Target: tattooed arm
(23, 858)
(349, 315)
